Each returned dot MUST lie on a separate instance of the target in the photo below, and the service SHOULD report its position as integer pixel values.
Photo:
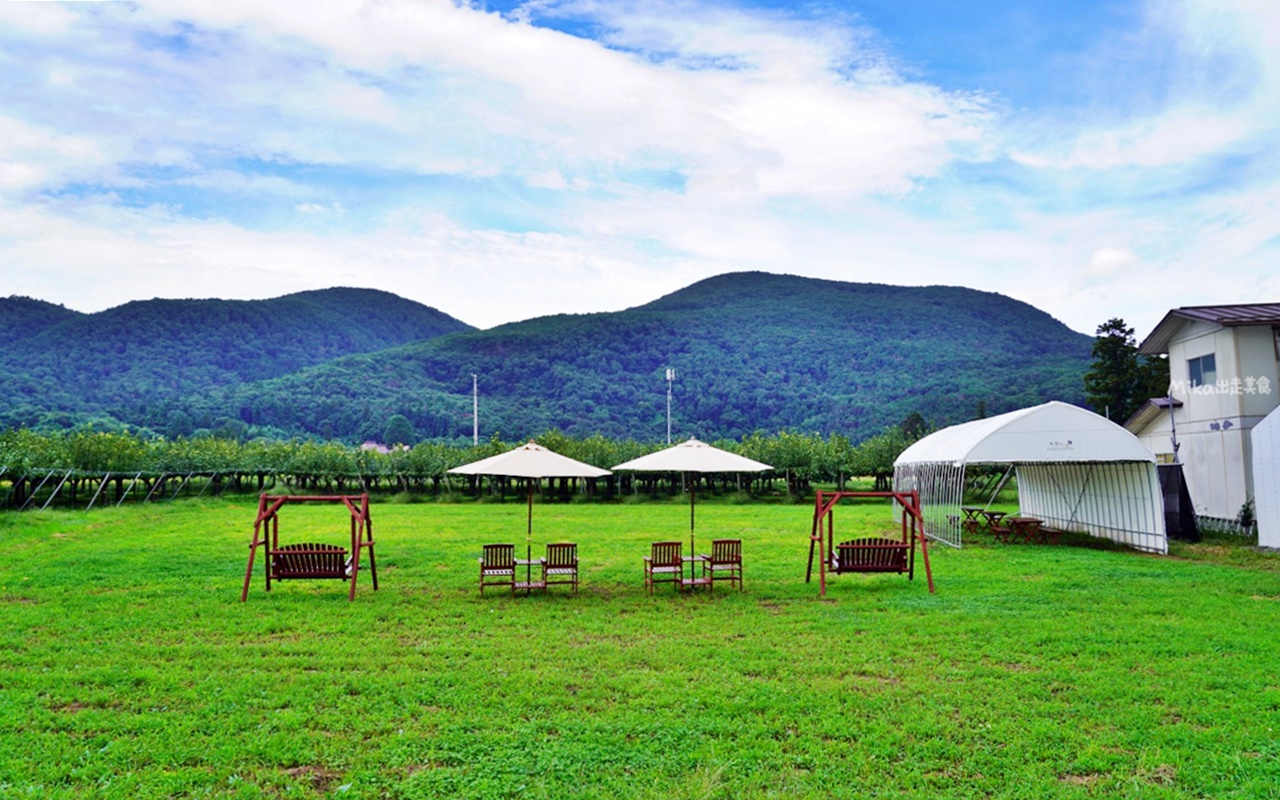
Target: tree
(1120, 380)
(914, 426)
(398, 431)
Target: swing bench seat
(871, 554)
(310, 560)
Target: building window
(1203, 371)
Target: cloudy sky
(501, 161)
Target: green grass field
(130, 669)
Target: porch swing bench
(312, 560)
(870, 554)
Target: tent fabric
(1051, 433)
(1120, 500)
(1075, 469)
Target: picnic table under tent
(1075, 470)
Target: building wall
(1158, 438)
(1266, 464)
(1214, 423)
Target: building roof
(1048, 433)
(1149, 411)
(1226, 316)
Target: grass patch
(128, 668)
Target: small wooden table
(1025, 528)
(972, 522)
(530, 583)
(696, 578)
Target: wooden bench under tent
(311, 560)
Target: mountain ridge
(122, 361)
(751, 350)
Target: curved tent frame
(1075, 470)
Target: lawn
(129, 668)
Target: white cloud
(1108, 260)
(1220, 94)
(32, 157)
(437, 87)
(693, 140)
(40, 19)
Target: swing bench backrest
(310, 560)
(873, 554)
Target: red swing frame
(312, 561)
(873, 555)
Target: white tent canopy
(1075, 470)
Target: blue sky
(506, 160)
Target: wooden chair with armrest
(725, 562)
(664, 564)
(498, 566)
(560, 566)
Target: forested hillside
(23, 317)
(140, 362)
(751, 352)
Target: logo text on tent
(1060, 444)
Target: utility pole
(475, 411)
(671, 376)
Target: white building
(1224, 378)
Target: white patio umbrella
(692, 456)
(532, 461)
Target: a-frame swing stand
(310, 560)
(870, 554)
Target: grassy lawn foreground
(130, 669)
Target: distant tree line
(83, 466)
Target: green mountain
(751, 351)
(141, 362)
(23, 317)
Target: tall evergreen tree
(1120, 380)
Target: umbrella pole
(693, 490)
(528, 543)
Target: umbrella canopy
(693, 456)
(531, 461)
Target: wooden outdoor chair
(561, 565)
(664, 564)
(725, 562)
(498, 566)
